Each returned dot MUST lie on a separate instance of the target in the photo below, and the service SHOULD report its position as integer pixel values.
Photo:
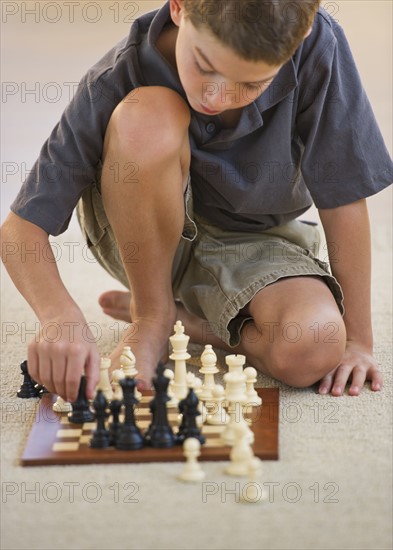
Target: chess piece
(117, 375)
(236, 397)
(159, 433)
(41, 390)
(217, 414)
(114, 427)
(252, 395)
(192, 470)
(101, 436)
(209, 369)
(241, 452)
(252, 491)
(188, 407)
(61, 406)
(173, 401)
(104, 383)
(81, 412)
(116, 404)
(196, 384)
(127, 363)
(235, 363)
(27, 388)
(179, 343)
(128, 436)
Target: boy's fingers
(32, 363)
(376, 380)
(92, 374)
(75, 367)
(45, 371)
(326, 384)
(59, 374)
(340, 380)
(72, 387)
(358, 380)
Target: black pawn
(28, 387)
(81, 412)
(159, 433)
(101, 436)
(115, 425)
(129, 437)
(188, 407)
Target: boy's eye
(200, 70)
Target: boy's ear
(308, 33)
(177, 11)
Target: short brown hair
(256, 30)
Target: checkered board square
(54, 440)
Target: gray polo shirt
(310, 137)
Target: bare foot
(117, 304)
(149, 343)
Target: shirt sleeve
(70, 159)
(344, 158)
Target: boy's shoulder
(326, 32)
(320, 48)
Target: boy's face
(214, 78)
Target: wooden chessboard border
(39, 448)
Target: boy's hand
(61, 352)
(357, 364)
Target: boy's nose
(221, 96)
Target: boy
(193, 146)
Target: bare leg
(297, 334)
(150, 130)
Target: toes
(115, 299)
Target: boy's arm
(347, 233)
(59, 353)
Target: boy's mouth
(208, 111)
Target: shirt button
(210, 127)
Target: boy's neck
(166, 44)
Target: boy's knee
(153, 118)
(303, 355)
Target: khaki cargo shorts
(216, 272)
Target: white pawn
(209, 369)
(173, 399)
(241, 452)
(252, 491)
(104, 383)
(192, 470)
(251, 393)
(61, 406)
(117, 375)
(127, 363)
(217, 415)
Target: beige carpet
(332, 484)
(331, 487)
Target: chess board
(54, 440)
